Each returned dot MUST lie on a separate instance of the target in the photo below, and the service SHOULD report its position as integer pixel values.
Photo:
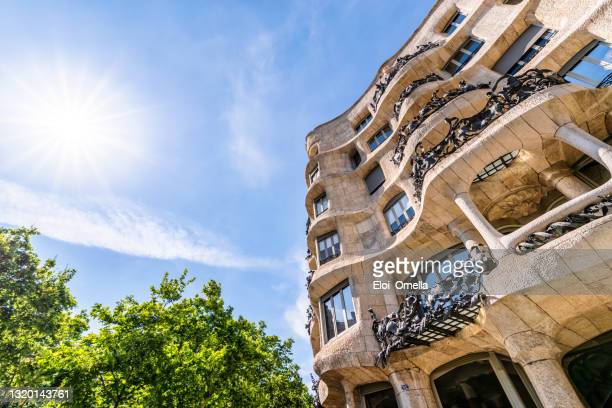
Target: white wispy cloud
(249, 115)
(295, 314)
(118, 226)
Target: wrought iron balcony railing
(461, 131)
(435, 104)
(410, 88)
(385, 79)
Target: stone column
(349, 394)
(412, 389)
(482, 225)
(466, 233)
(559, 176)
(586, 143)
(538, 355)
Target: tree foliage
(35, 308)
(167, 351)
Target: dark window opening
(374, 179)
(355, 158)
(589, 367)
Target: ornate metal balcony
(316, 400)
(424, 318)
(309, 278)
(385, 79)
(309, 317)
(435, 104)
(308, 222)
(569, 223)
(410, 88)
(461, 131)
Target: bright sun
(70, 124)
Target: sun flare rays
(68, 124)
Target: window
(496, 165)
(434, 276)
(363, 123)
(398, 213)
(378, 395)
(321, 204)
(329, 247)
(355, 158)
(589, 367)
(535, 48)
(338, 310)
(591, 67)
(314, 174)
(374, 179)
(463, 56)
(382, 135)
(454, 23)
(483, 380)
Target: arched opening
(377, 395)
(589, 368)
(483, 380)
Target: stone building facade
(485, 137)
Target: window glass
(398, 213)
(463, 55)
(496, 165)
(314, 174)
(532, 51)
(329, 318)
(374, 179)
(454, 23)
(339, 310)
(348, 304)
(329, 247)
(364, 122)
(594, 69)
(589, 368)
(321, 204)
(380, 137)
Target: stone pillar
(349, 394)
(538, 355)
(466, 233)
(586, 143)
(559, 176)
(482, 225)
(412, 389)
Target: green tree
(35, 308)
(176, 351)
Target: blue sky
(180, 138)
